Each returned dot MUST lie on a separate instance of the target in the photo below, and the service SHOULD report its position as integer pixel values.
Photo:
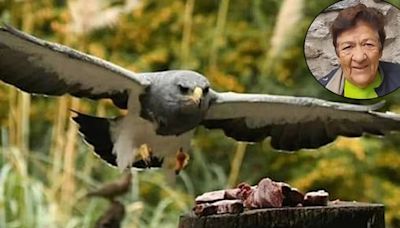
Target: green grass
(28, 198)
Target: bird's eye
(184, 90)
(205, 90)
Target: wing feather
(37, 66)
(294, 123)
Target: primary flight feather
(165, 107)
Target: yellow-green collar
(352, 91)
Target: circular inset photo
(353, 48)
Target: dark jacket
(390, 73)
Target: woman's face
(359, 51)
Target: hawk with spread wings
(164, 108)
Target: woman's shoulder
(390, 70)
(389, 65)
(327, 78)
(391, 77)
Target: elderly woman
(358, 37)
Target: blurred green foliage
(231, 49)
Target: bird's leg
(181, 160)
(145, 154)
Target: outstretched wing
(294, 122)
(41, 67)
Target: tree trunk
(341, 214)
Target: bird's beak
(197, 95)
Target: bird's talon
(145, 154)
(181, 161)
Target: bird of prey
(164, 108)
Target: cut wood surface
(339, 214)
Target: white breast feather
(134, 131)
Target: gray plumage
(165, 107)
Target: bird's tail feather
(97, 132)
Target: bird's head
(178, 101)
(191, 91)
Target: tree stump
(340, 214)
